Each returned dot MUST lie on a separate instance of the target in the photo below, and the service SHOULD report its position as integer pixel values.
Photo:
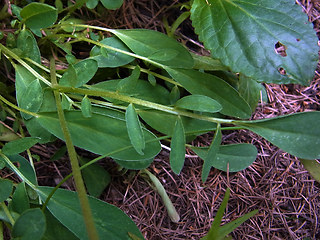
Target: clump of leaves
(153, 91)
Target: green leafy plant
(153, 92)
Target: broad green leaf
(71, 28)
(39, 15)
(31, 225)
(143, 90)
(250, 90)
(19, 145)
(24, 167)
(82, 73)
(165, 122)
(28, 44)
(56, 230)
(313, 167)
(199, 103)
(297, 134)
(86, 107)
(206, 84)
(110, 112)
(31, 98)
(111, 222)
(5, 189)
(147, 43)
(110, 133)
(4, 217)
(232, 158)
(164, 55)
(20, 200)
(129, 84)
(91, 4)
(110, 58)
(152, 80)
(178, 148)
(95, 177)
(37, 131)
(134, 129)
(244, 34)
(16, 11)
(112, 4)
(212, 154)
(207, 63)
(7, 135)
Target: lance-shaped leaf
(39, 15)
(134, 129)
(178, 148)
(212, 154)
(28, 44)
(110, 133)
(199, 103)
(313, 167)
(110, 221)
(206, 84)
(110, 58)
(147, 43)
(297, 134)
(247, 37)
(231, 158)
(19, 145)
(86, 107)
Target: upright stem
(84, 202)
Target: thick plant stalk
(84, 202)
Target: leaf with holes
(269, 41)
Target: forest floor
(276, 184)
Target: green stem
(17, 171)
(174, 216)
(17, 108)
(23, 63)
(7, 212)
(84, 202)
(156, 106)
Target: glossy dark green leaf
(31, 225)
(313, 167)
(19, 145)
(95, 177)
(207, 63)
(165, 122)
(147, 43)
(91, 4)
(28, 44)
(82, 73)
(199, 103)
(112, 4)
(244, 35)
(24, 167)
(206, 84)
(134, 129)
(232, 158)
(111, 222)
(178, 148)
(110, 58)
(250, 90)
(86, 107)
(5, 189)
(20, 200)
(56, 230)
(39, 15)
(297, 134)
(110, 133)
(212, 154)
